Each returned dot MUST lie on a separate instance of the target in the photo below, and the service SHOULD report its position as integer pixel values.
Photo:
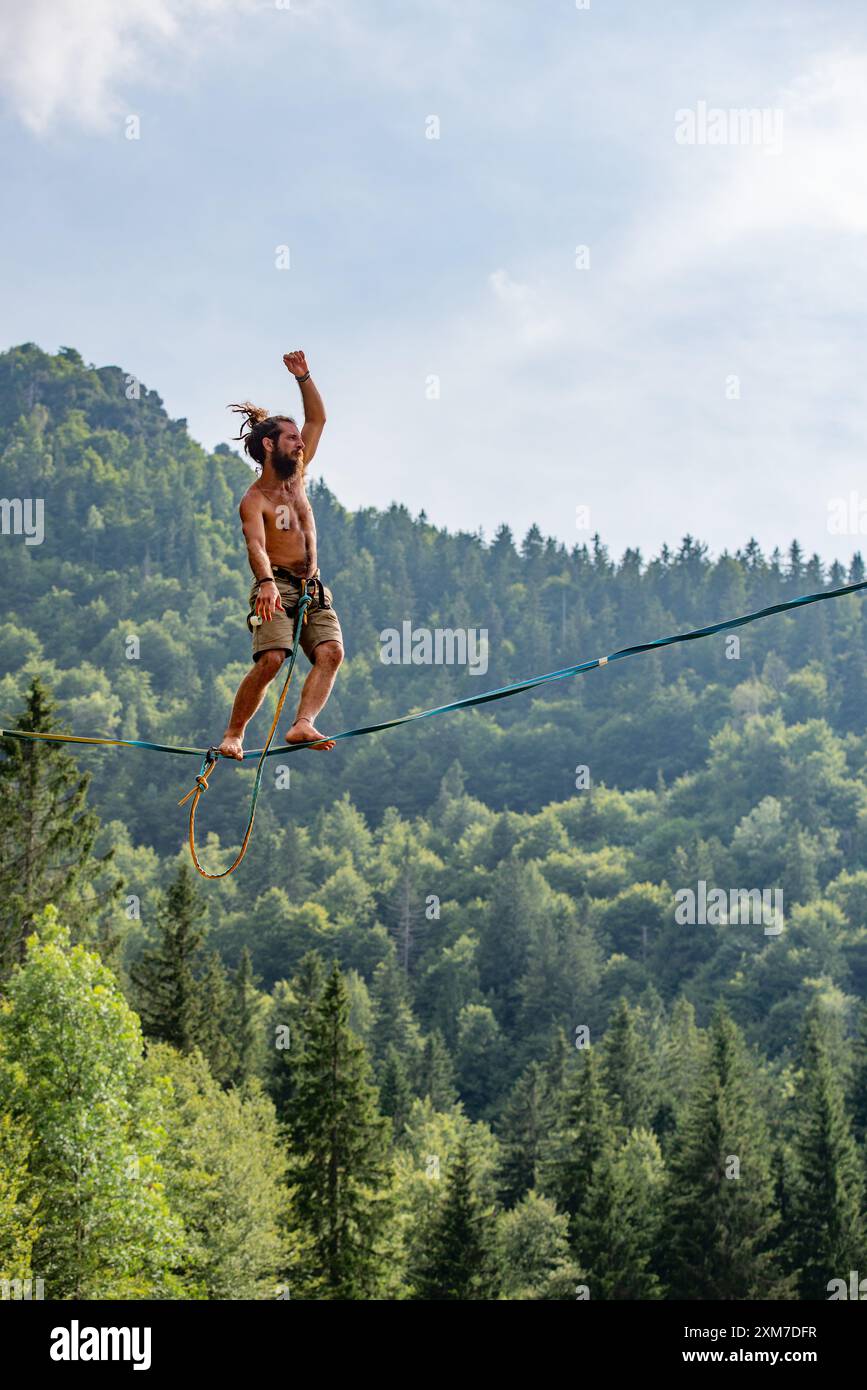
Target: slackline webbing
(210, 755)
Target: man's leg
(251, 693)
(326, 658)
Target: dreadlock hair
(256, 426)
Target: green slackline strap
(583, 666)
(104, 742)
(470, 700)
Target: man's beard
(287, 465)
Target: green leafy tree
(479, 1058)
(532, 1251)
(70, 1058)
(225, 1169)
(393, 1021)
(18, 1203)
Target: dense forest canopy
(543, 1073)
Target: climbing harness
(313, 586)
(309, 591)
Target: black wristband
(302, 379)
(269, 579)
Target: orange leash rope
(211, 757)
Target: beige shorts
(322, 624)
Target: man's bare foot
(232, 747)
(303, 731)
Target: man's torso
(290, 531)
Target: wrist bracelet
(302, 379)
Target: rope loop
(213, 755)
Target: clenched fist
(295, 362)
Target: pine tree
(244, 1015)
(437, 1073)
(167, 994)
(626, 1067)
(679, 1069)
(858, 1095)
(395, 1092)
(826, 1237)
(721, 1220)
(293, 1005)
(394, 1023)
(48, 832)
(214, 1030)
(459, 1260)
(339, 1166)
(616, 1228)
(525, 1134)
(580, 1142)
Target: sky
(542, 269)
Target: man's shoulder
(252, 499)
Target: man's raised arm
(314, 409)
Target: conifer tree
(616, 1228)
(679, 1067)
(459, 1257)
(167, 994)
(626, 1067)
(394, 1023)
(214, 1030)
(395, 1092)
(858, 1089)
(293, 1004)
(437, 1073)
(48, 832)
(525, 1134)
(339, 1164)
(244, 1019)
(721, 1221)
(578, 1145)
(826, 1233)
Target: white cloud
(64, 61)
(611, 383)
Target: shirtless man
(281, 545)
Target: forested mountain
(450, 969)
